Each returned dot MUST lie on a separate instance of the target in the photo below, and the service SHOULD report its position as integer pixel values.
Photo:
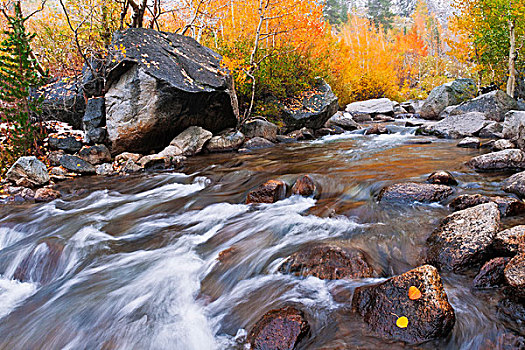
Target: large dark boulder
(281, 329)
(449, 94)
(312, 109)
(162, 84)
(494, 105)
(415, 192)
(429, 317)
(327, 262)
(94, 120)
(63, 100)
(510, 159)
(464, 238)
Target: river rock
(463, 238)
(491, 274)
(449, 94)
(515, 184)
(269, 192)
(493, 130)
(442, 178)
(429, 317)
(286, 139)
(334, 130)
(42, 263)
(494, 105)
(77, 165)
(158, 85)
(514, 127)
(190, 141)
(501, 145)
(46, 194)
(327, 262)
(507, 206)
(302, 134)
(304, 186)
(28, 170)
(508, 242)
(512, 310)
(372, 107)
(412, 106)
(94, 120)
(226, 142)
(459, 126)
(470, 142)
(67, 143)
(54, 157)
(105, 169)
(130, 167)
(257, 143)
(63, 100)
(281, 329)
(313, 110)
(95, 155)
(415, 192)
(124, 157)
(510, 159)
(260, 128)
(515, 274)
(376, 129)
(342, 120)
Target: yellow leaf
(402, 322)
(414, 293)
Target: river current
(135, 262)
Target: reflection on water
(132, 263)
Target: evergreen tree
(18, 75)
(380, 13)
(335, 11)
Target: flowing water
(133, 262)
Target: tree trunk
(511, 83)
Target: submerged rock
(449, 94)
(304, 186)
(42, 263)
(269, 192)
(159, 84)
(28, 171)
(260, 128)
(507, 242)
(507, 206)
(442, 178)
(327, 262)
(491, 274)
(415, 192)
(510, 159)
(429, 317)
(463, 238)
(281, 329)
(515, 184)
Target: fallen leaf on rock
(402, 322)
(414, 293)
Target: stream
(133, 262)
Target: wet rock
(161, 161)
(383, 118)
(58, 173)
(512, 310)
(507, 206)
(376, 129)
(42, 263)
(493, 130)
(94, 119)
(46, 194)
(304, 186)
(342, 120)
(488, 145)
(442, 178)
(415, 192)
(514, 127)
(327, 131)
(54, 157)
(227, 142)
(105, 169)
(66, 143)
(449, 94)
(130, 167)
(303, 134)
(494, 105)
(312, 109)
(515, 184)
(327, 262)
(95, 155)
(515, 274)
(372, 107)
(507, 242)
(20, 194)
(158, 89)
(470, 142)
(286, 139)
(191, 141)
(269, 192)
(510, 159)
(491, 274)
(260, 128)
(281, 329)
(429, 317)
(257, 143)
(412, 106)
(501, 145)
(398, 109)
(28, 170)
(459, 126)
(77, 165)
(506, 341)
(463, 238)
(124, 157)
(361, 117)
